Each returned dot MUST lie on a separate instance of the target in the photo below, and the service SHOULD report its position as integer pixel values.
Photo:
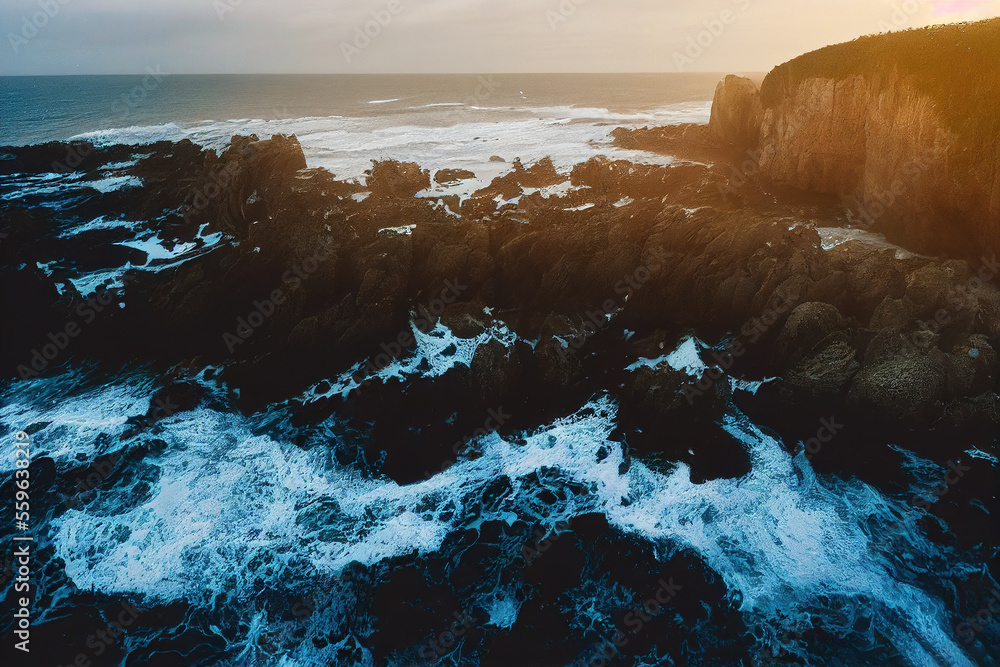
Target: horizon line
(166, 74)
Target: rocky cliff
(903, 126)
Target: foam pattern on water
(70, 416)
(227, 510)
(435, 353)
(465, 139)
(789, 541)
(231, 509)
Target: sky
(411, 36)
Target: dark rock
(392, 179)
(900, 382)
(466, 320)
(972, 367)
(558, 363)
(825, 372)
(659, 390)
(495, 369)
(539, 175)
(690, 141)
(809, 325)
(983, 410)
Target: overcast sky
(264, 36)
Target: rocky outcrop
(453, 175)
(911, 147)
(900, 379)
(309, 277)
(736, 113)
(397, 179)
(809, 325)
(884, 147)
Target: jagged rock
(539, 175)
(653, 262)
(394, 179)
(558, 363)
(660, 390)
(60, 157)
(241, 187)
(826, 372)
(736, 113)
(620, 178)
(873, 276)
(495, 369)
(688, 140)
(466, 320)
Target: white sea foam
(112, 183)
(457, 137)
(79, 428)
(685, 357)
(435, 353)
(134, 135)
(87, 283)
(230, 507)
(831, 237)
(44, 184)
(100, 222)
(404, 230)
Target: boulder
(660, 390)
(556, 360)
(900, 382)
(809, 324)
(827, 372)
(495, 369)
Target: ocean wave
(444, 137)
(223, 505)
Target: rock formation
(893, 124)
(736, 113)
(653, 249)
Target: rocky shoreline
(423, 322)
(868, 330)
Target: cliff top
(957, 65)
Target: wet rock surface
(310, 268)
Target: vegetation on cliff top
(957, 66)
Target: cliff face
(906, 152)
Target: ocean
(345, 121)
